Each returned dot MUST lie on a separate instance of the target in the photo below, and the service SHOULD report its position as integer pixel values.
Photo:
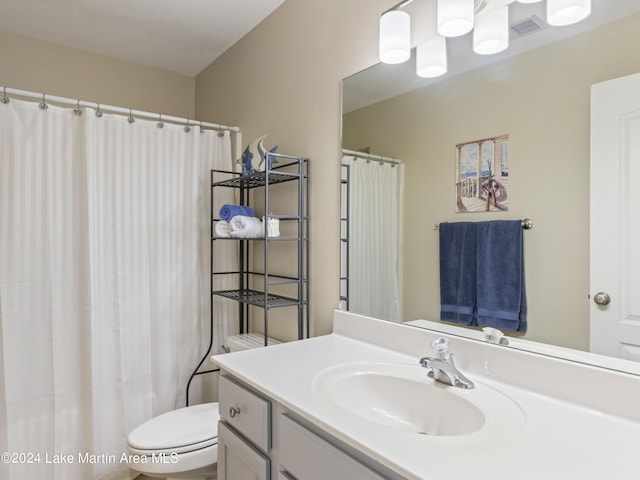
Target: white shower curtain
(104, 282)
(375, 238)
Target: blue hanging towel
(227, 212)
(501, 299)
(458, 272)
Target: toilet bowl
(181, 444)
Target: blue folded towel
(227, 212)
(501, 299)
(458, 272)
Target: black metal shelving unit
(345, 205)
(257, 284)
(256, 287)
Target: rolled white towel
(223, 229)
(246, 227)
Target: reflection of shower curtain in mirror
(375, 238)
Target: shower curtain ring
(43, 105)
(187, 129)
(160, 123)
(77, 110)
(130, 119)
(98, 111)
(5, 99)
(201, 129)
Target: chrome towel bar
(526, 223)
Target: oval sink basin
(401, 396)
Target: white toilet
(183, 443)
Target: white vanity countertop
(558, 439)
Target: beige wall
(542, 100)
(28, 64)
(283, 79)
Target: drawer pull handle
(233, 411)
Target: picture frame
(482, 175)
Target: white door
(615, 218)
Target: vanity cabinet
(305, 455)
(244, 432)
(237, 459)
(258, 438)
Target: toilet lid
(183, 429)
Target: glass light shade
(455, 17)
(529, 1)
(395, 37)
(567, 12)
(491, 32)
(431, 57)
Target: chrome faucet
(441, 367)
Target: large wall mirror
(537, 93)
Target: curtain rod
(110, 108)
(369, 156)
(526, 223)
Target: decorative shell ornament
(254, 157)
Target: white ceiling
(182, 36)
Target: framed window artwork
(482, 175)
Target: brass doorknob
(602, 298)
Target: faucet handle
(441, 347)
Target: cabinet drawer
(247, 412)
(237, 460)
(305, 455)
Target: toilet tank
(246, 341)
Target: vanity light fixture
(489, 20)
(455, 17)
(491, 31)
(395, 37)
(431, 57)
(567, 12)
